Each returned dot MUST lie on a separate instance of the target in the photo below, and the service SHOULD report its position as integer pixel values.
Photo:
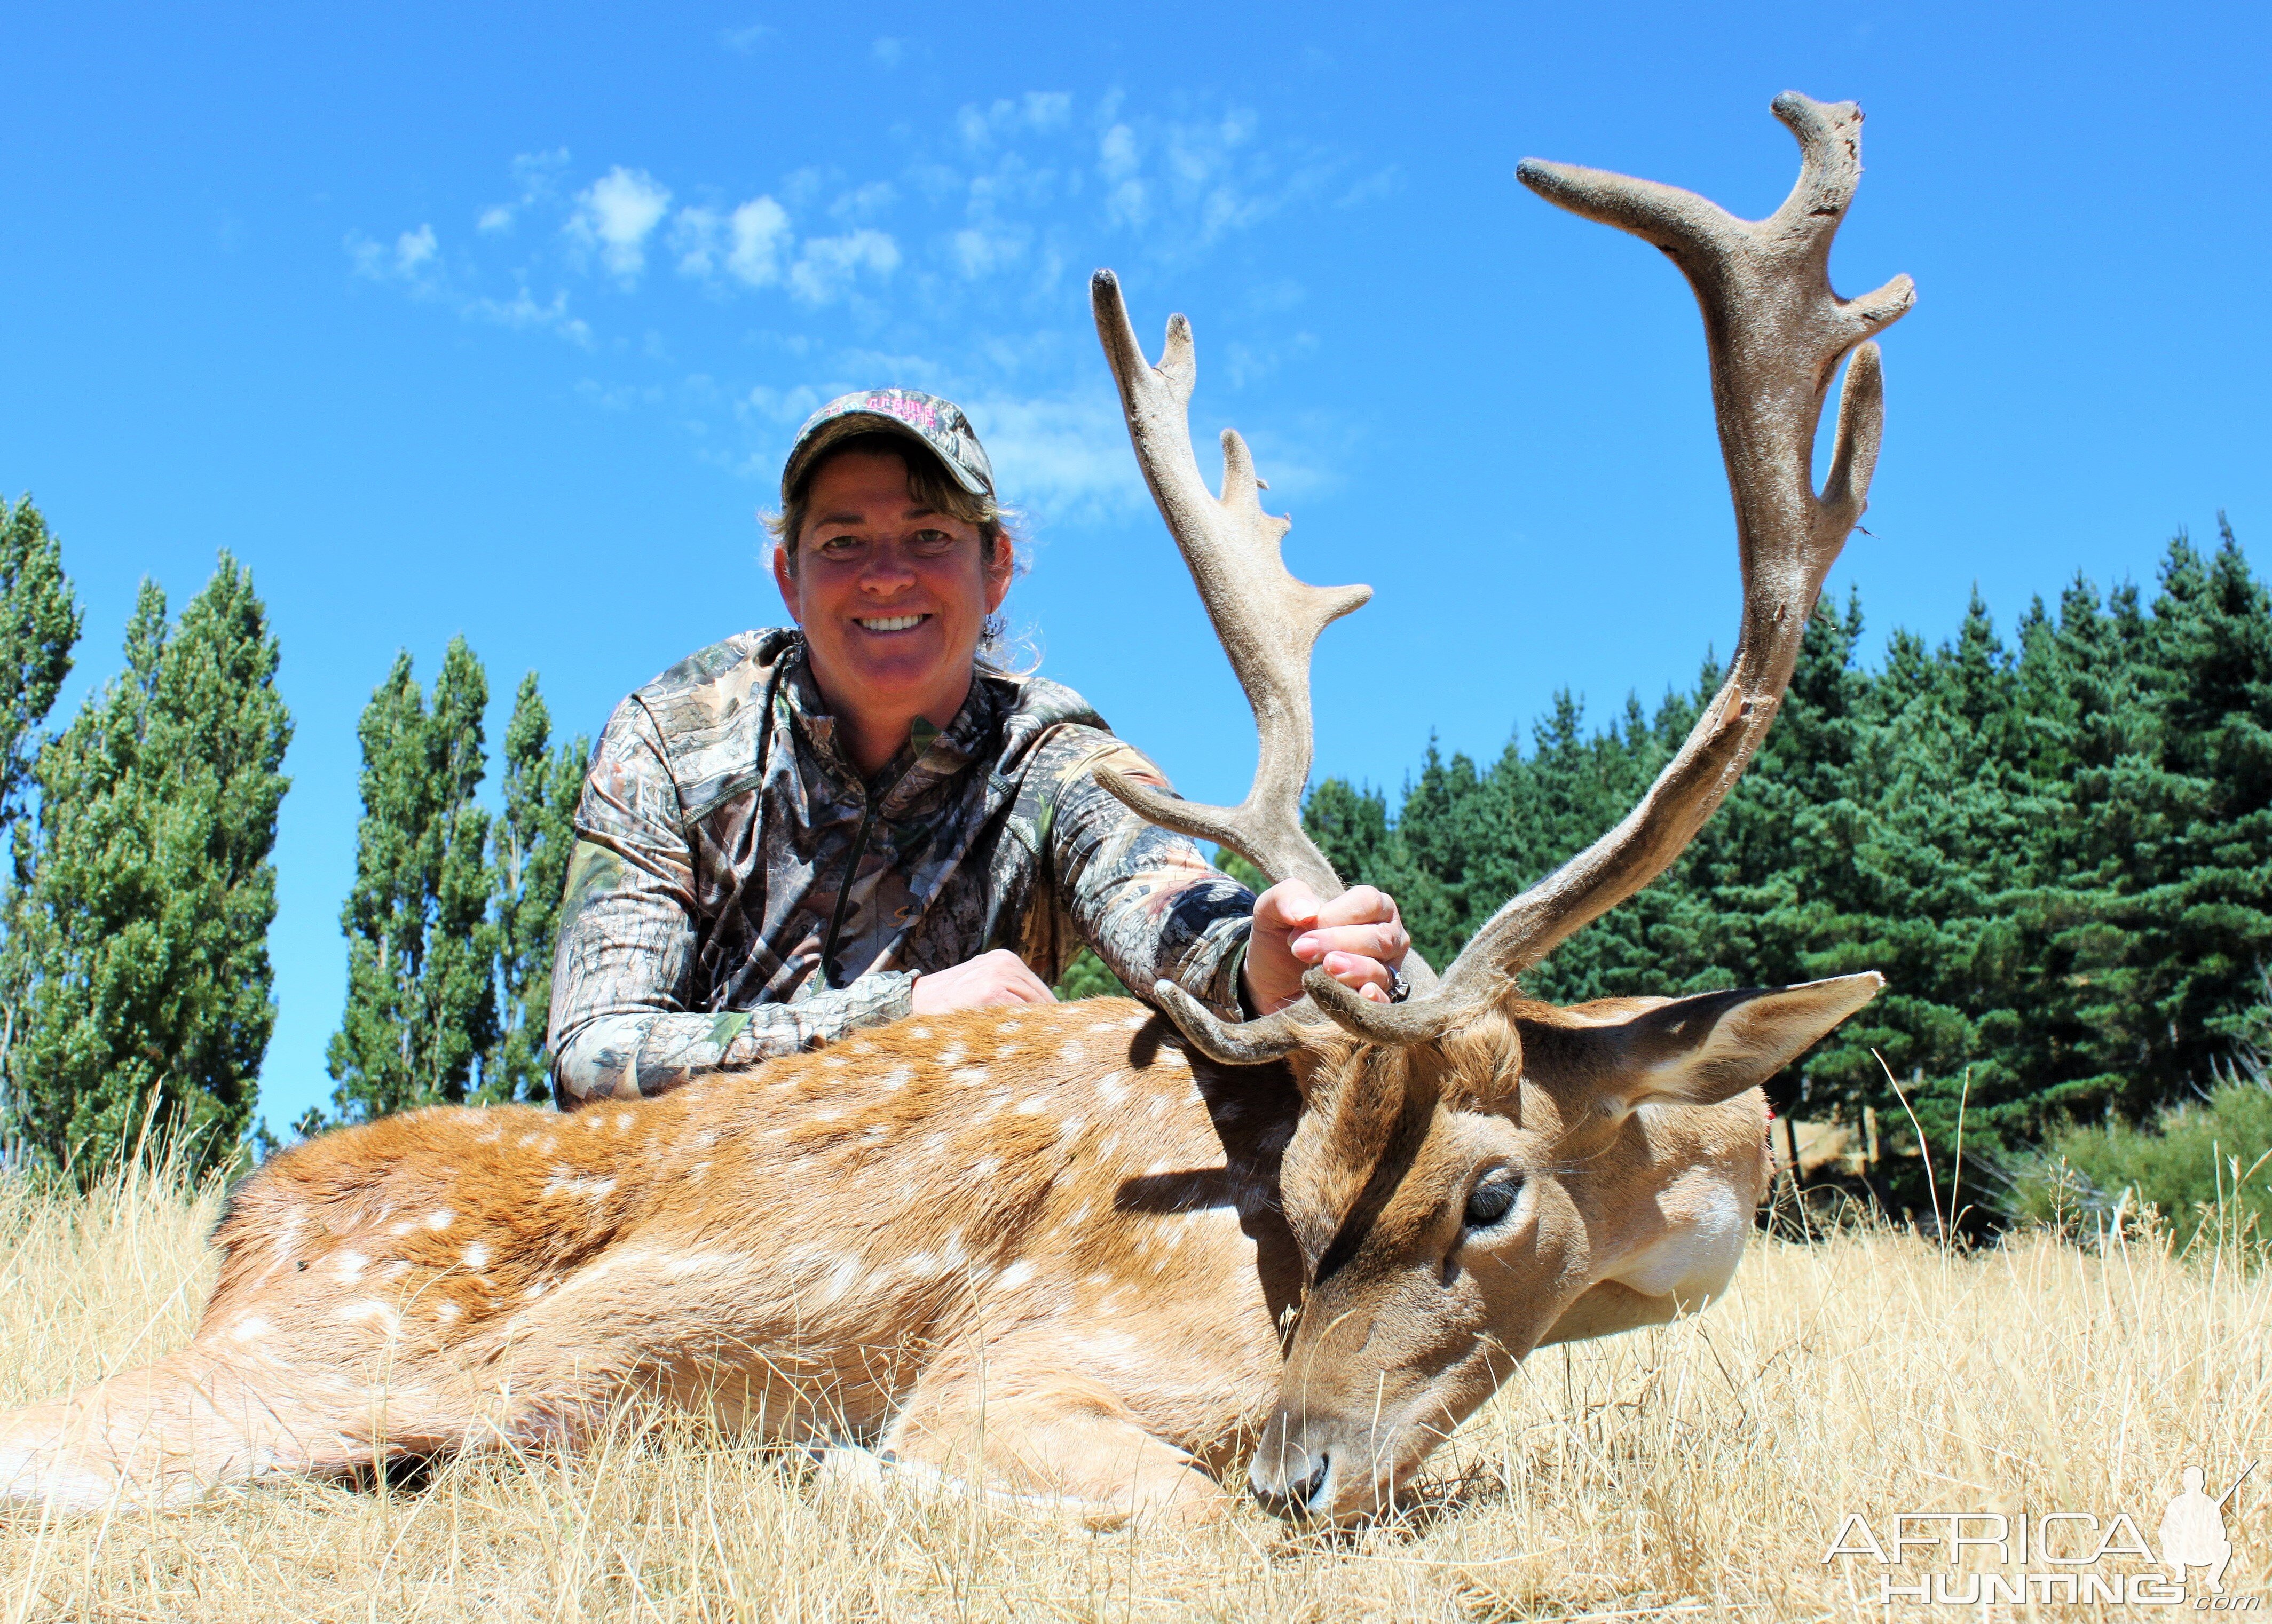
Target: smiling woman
(797, 833)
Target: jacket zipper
(844, 891)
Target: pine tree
(39, 622)
(143, 930)
(531, 844)
(422, 1010)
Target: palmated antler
(1268, 623)
(1776, 334)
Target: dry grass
(1692, 1471)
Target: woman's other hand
(1357, 938)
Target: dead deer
(1085, 1254)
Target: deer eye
(1491, 1200)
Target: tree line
(136, 991)
(2058, 850)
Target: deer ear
(1702, 1050)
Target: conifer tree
(532, 843)
(39, 622)
(422, 1010)
(142, 929)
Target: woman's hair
(930, 484)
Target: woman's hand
(1357, 938)
(985, 982)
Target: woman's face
(892, 595)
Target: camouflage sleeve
(1145, 898)
(621, 972)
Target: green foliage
(139, 948)
(531, 844)
(39, 622)
(422, 1010)
(2059, 856)
(2202, 1162)
(1086, 977)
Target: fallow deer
(1090, 1253)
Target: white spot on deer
(918, 1031)
(829, 1115)
(1104, 1026)
(706, 1138)
(1111, 1088)
(844, 1277)
(591, 1122)
(398, 1229)
(252, 1327)
(348, 1267)
(923, 1265)
(1136, 1022)
(490, 1138)
(1004, 1051)
(525, 1140)
(970, 1076)
(700, 1170)
(476, 1257)
(952, 1054)
(935, 1144)
(446, 1312)
(1080, 1216)
(1007, 1027)
(440, 1218)
(531, 1294)
(896, 1079)
(1016, 1275)
(370, 1308)
(986, 1168)
(565, 1183)
(1160, 1106)
(1070, 1127)
(876, 1133)
(396, 1269)
(834, 1062)
(623, 1121)
(1032, 1103)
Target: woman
(797, 833)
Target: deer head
(1463, 1158)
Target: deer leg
(1064, 1446)
(200, 1418)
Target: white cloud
(536, 179)
(521, 311)
(981, 251)
(829, 266)
(1037, 112)
(746, 38)
(748, 244)
(865, 202)
(414, 259)
(890, 52)
(761, 239)
(615, 213)
(1060, 454)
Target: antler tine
(1776, 332)
(1266, 620)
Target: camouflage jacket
(708, 920)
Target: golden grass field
(1697, 1471)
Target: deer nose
(1293, 1484)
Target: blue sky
(497, 321)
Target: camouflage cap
(936, 424)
